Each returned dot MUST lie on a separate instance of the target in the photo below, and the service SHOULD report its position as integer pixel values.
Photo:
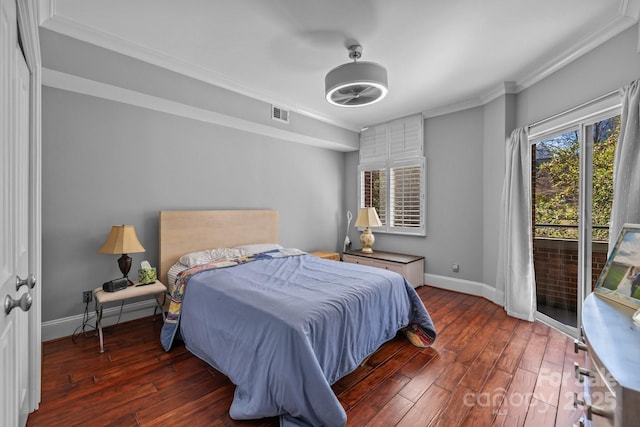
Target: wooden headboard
(185, 231)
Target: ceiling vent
(279, 114)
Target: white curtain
(626, 165)
(515, 276)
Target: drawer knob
(577, 346)
(580, 373)
(590, 408)
(580, 423)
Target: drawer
(413, 272)
(389, 266)
(359, 260)
(598, 400)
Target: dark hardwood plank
(511, 355)
(486, 404)
(514, 407)
(533, 353)
(370, 408)
(426, 408)
(485, 369)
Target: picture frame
(620, 277)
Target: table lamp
(367, 217)
(122, 240)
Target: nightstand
(410, 266)
(334, 256)
(136, 290)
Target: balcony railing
(600, 233)
(556, 265)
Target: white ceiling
(440, 55)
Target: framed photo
(620, 277)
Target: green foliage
(557, 178)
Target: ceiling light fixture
(356, 84)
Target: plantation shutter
(406, 195)
(406, 138)
(373, 144)
(392, 174)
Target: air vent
(279, 114)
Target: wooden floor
(484, 369)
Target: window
(572, 191)
(392, 174)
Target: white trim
(46, 10)
(78, 31)
(629, 12)
(65, 327)
(604, 106)
(464, 286)
(628, 15)
(572, 53)
(561, 327)
(59, 80)
(506, 88)
(28, 18)
(452, 108)
(630, 8)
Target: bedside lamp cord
(82, 329)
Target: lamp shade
(368, 217)
(122, 240)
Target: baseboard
(66, 326)
(465, 286)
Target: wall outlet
(455, 268)
(87, 296)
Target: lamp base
(367, 240)
(124, 263)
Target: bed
(281, 324)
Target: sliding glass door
(572, 192)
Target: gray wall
(466, 160)
(499, 119)
(608, 67)
(107, 163)
(454, 197)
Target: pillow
(259, 247)
(208, 256)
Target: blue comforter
(284, 329)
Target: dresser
(611, 375)
(410, 266)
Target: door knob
(24, 302)
(30, 281)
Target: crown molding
(59, 24)
(615, 27)
(628, 15)
(505, 88)
(630, 8)
(69, 82)
(46, 10)
(452, 108)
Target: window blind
(392, 174)
(406, 196)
